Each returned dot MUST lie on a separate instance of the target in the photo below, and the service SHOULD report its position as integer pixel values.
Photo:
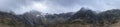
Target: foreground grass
(64, 25)
(4, 25)
(116, 25)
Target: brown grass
(116, 25)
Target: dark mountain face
(58, 18)
(34, 18)
(28, 19)
(10, 19)
(84, 14)
(111, 16)
(91, 17)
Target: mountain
(84, 16)
(112, 16)
(10, 19)
(29, 19)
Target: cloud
(15, 5)
(57, 6)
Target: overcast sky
(56, 6)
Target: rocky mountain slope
(82, 18)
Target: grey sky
(56, 6)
